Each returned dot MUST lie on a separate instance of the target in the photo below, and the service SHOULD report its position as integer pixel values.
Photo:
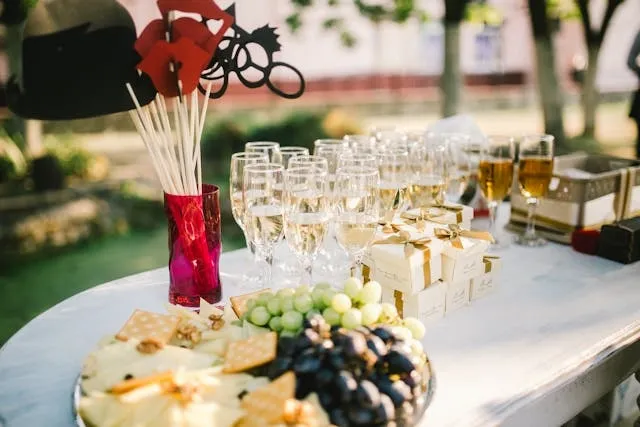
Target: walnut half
(149, 346)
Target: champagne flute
(393, 167)
(361, 143)
(458, 167)
(357, 211)
(306, 215)
(267, 147)
(495, 175)
(285, 154)
(306, 160)
(236, 183)
(262, 195)
(357, 160)
(337, 144)
(428, 166)
(535, 156)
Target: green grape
(259, 316)
(389, 312)
(286, 292)
(370, 313)
(352, 287)
(415, 327)
(370, 293)
(416, 347)
(302, 290)
(323, 285)
(352, 318)
(286, 304)
(402, 333)
(292, 320)
(311, 313)
(328, 296)
(291, 334)
(275, 324)
(303, 303)
(251, 302)
(331, 316)
(264, 298)
(274, 306)
(341, 302)
(317, 295)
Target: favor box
(463, 264)
(586, 191)
(489, 280)
(449, 213)
(457, 295)
(621, 242)
(407, 267)
(428, 305)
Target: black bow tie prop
(76, 65)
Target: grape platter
(364, 361)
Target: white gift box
(460, 264)
(449, 213)
(489, 280)
(428, 305)
(457, 295)
(406, 267)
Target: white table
(562, 330)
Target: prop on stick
(176, 55)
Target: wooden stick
(166, 134)
(155, 142)
(162, 104)
(192, 133)
(143, 134)
(187, 140)
(203, 117)
(196, 126)
(176, 117)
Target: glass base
(530, 241)
(499, 244)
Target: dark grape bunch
(366, 376)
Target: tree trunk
(590, 92)
(451, 80)
(550, 93)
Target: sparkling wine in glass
(285, 154)
(535, 169)
(357, 211)
(239, 161)
(264, 210)
(267, 147)
(307, 215)
(428, 181)
(361, 143)
(495, 176)
(458, 165)
(349, 159)
(395, 174)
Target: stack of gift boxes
(430, 263)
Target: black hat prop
(76, 57)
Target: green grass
(31, 288)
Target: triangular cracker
(254, 351)
(239, 303)
(268, 402)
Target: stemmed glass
(267, 147)
(458, 166)
(393, 166)
(236, 185)
(495, 176)
(306, 214)
(535, 169)
(361, 143)
(285, 154)
(357, 160)
(357, 211)
(428, 166)
(263, 204)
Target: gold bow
(487, 260)
(403, 237)
(453, 233)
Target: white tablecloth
(521, 356)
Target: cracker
(134, 383)
(269, 402)
(239, 303)
(254, 351)
(144, 325)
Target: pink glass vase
(194, 247)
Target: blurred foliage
(562, 9)
(578, 143)
(15, 11)
(76, 161)
(484, 13)
(299, 128)
(12, 162)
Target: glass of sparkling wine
(357, 211)
(458, 165)
(361, 160)
(236, 183)
(285, 154)
(428, 167)
(393, 167)
(307, 214)
(495, 175)
(361, 143)
(535, 157)
(263, 216)
(267, 147)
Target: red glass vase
(194, 247)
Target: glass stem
(493, 214)
(307, 267)
(268, 257)
(532, 204)
(357, 265)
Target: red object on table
(585, 241)
(194, 247)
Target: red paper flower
(189, 50)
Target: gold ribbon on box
(488, 264)
(403, 237)
(398, 301)
(453, 233)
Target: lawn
(29, 290)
